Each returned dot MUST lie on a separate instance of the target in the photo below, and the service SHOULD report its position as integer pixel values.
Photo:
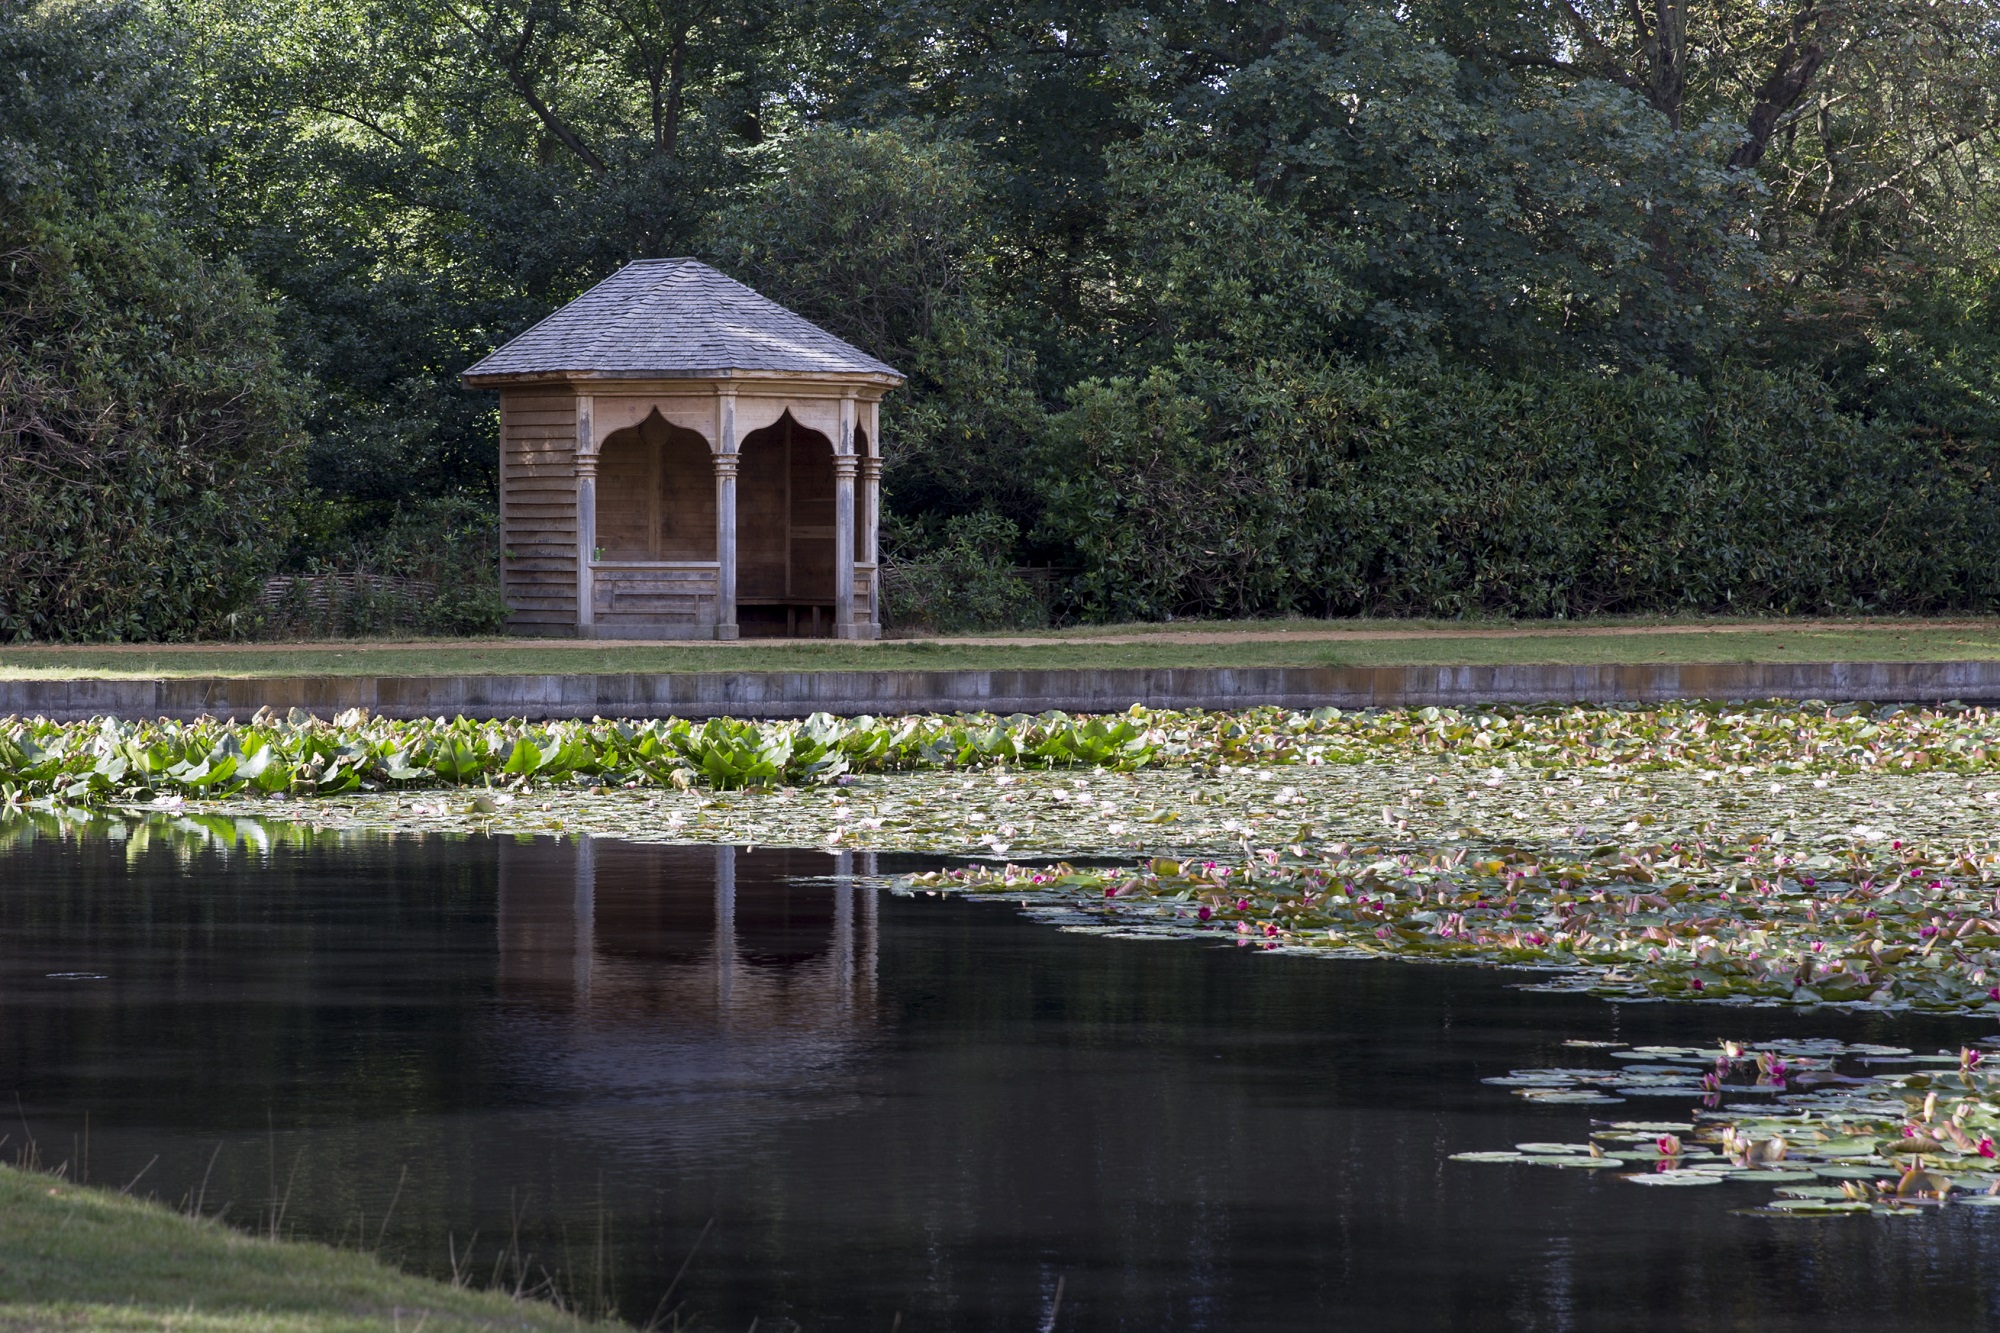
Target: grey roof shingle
(668, 317)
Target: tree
(147, 434)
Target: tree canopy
(1213, 307)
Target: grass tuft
(80, 1258)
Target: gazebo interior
(656, 506)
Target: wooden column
(871, 539)
(725, 516)
(844, 467)
(585, 459)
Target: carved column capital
(725, 464)
(586, 467)
(845, 466)
(871, 468)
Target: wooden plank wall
(627, 498)
(864, 579)
(812, 518)
(763, 508)
(687, 497)
(538, 511)
(655, 594)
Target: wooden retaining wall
(797, 693)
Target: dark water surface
(887, 1106)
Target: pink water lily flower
(1204, 913)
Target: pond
(826, 1105)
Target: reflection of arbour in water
(715, 937)
(343, 1004)
(1837, 1127)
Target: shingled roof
(665, 318)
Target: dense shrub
(961, 578)
(433, 567)
(146, 442)
(1448, 492)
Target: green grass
(73, 1258)
(1238, 644)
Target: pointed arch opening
(655, 494)
(784, 532)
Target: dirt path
(1310, 632)
(1304, 631)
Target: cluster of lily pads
(1837, 1128)
(106, 759)
(1870, 924)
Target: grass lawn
(74, 1258)
(1178, 644)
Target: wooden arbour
(696, 500)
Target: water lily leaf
(1653, 1126)
(1855, 1172)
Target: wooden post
(725, 516)
(585, 459)
(871, 539)
(844, 466)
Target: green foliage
(432, 568)
(1445, 494)
(106, 759)
(118, 522)
(146, 423)
(146, 434)
(1289, 305)
(882, 237)
(962, 579)
(86, 763)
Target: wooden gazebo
(682, 458)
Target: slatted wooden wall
(538, 570)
